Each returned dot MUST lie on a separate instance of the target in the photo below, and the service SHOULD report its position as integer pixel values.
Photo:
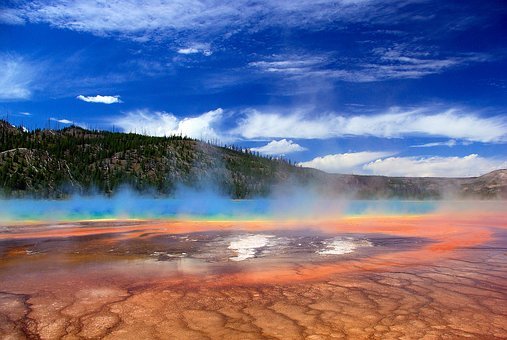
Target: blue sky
(406, 88)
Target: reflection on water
(173, 249)
(191, 266)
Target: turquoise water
(199, 207)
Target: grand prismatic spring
(253, 169)
(139, 269)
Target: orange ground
(453, 286)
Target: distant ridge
(59, 163)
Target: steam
(246, 246)
(206, 204)
(343, 246)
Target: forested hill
(53, 163)
(58, 163)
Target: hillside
(57, 163)
(49, 163)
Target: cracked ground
(438, 276)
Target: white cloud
(143, 20)
(451, 123)
(10, 17)
(24, 78)
(258, 124)
(344, 162)
(281, 147)
(290, 64)
(188, 50)
(187, 21)
(379, 163)
(16, 77)
(201, 48)
(450, 143)
(403, 62)
(376, 65)
(62, 121)
(471, 165)
(25, 113)
(166, 124)
(100, 99)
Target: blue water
(199, 207)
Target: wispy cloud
(66, 121)
(100, 99)
(25, 77)
(405, 61)
(16, 78)
(280, 147)
(62, 121)
(350, 162)
(11, 16)
(21, 114)
(399, 62)
(160, 123)
(143, 20)
(201, 48)
(450, 143)
(196, 25)
(451, 123)
(459, 125)
(471, 165)
(291, 64)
